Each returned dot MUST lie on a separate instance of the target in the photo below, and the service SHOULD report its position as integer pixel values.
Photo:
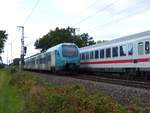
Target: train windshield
(69, 51)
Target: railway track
(98, 78)
(137, 84)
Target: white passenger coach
(123, 54)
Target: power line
(33, 41)
(104, 8)
(35, 6)
(121, 19)
(91, 4)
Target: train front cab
(67, 58)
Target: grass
(10, 101)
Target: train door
(52, 59)
(48, 61)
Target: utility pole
(22, 47)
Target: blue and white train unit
(64, 56)
(126, 54)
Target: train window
(108, 52)
(38, 59)
(130, 49)
(123, 50)
(83, 56)
(87, 56)
(47, 57)
(91, 55)
(146, 47)
(140, 48)
(115, 51)
(102, 53)
(69, 51)
(42, 60)
(96, 54)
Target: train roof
(125, 38)
(50, 49)
(58, 45)
(32, 56)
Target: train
(64, 56)
(126, 54)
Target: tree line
(54, 37)
(60, 35)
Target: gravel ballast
(123, 94)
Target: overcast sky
(102, 19)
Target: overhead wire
(98, 11)
(91, 4)
(120, 19)
(33, 41)
(30, 14)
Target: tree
(1, 63)
(1, 60)
(3, 38)
(57, 36)
(87, 40)
(101, 41)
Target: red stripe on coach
(118, 61)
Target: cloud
(73, 7)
